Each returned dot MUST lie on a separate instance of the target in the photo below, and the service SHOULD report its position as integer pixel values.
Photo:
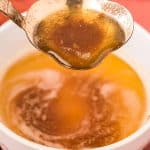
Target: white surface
(13, 42)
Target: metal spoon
(43, 8)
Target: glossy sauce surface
(78, 38)
(54, 106)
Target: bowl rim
(37, 146)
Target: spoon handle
(74, 3)
(7, 9)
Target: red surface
(139, 8)
(21, 5)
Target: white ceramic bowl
(13, 42)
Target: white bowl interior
(136, 52)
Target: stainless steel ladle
(42, 8)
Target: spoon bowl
(43, 8)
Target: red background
(139, 8)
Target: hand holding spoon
(77, 33)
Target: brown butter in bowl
(57, 107)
